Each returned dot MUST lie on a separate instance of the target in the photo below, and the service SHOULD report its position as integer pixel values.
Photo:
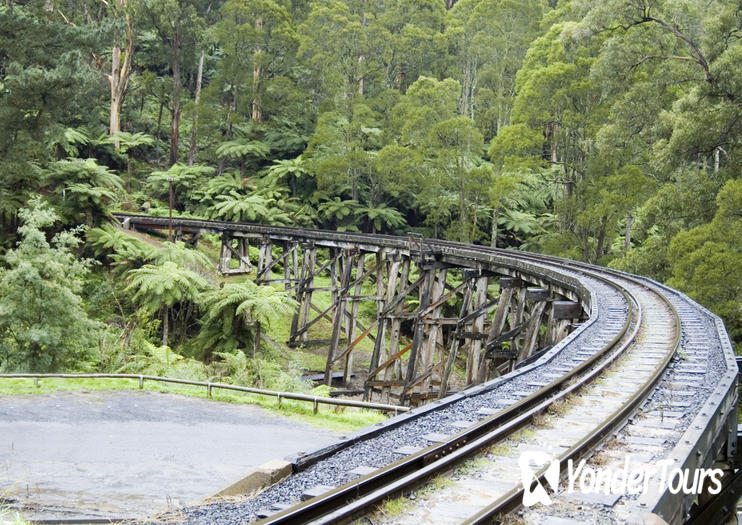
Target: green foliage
(603, 131)
(163, 361)
(43, 325)
(240, 148)
(186, 180)
(258, 372)
(232, 311)
(706, 261)
(242, 208)
(114, 242)
(163, 285)
(81, 189)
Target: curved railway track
(360, 497)
(613, 362)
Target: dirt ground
(125, 454)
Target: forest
(606, 131)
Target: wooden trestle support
(431, 318)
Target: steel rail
(355, 498)
(511, 501)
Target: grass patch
(542, 420)
(472, 466)
(336, 418)
(523, 434)
(8, 517)
(500, 449)
(392, 508)
(434, 485)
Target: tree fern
(231, 312)
(108, 239)
(237, 207)
(159, 287)
(282, 168)
(87, 171)
(381, 216)
(240, 148)
(178, 253)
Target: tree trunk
(175, 123)
(257, 114)
(493, 238)
(601, 241)
(554, 155)
(627, 239)
(119, 78)
(159, 118)
(256, 341)
(361, 59)
(165, 328)
(199, 78)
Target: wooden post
(456, 339)
(534, 323)
(516, 316)
(265, 258)
(287, 252)
(243, 247)
(338, 315)
(417, 340)
(303, 292)
(351, 333)
(225, 256)
(432, 326)
(475, 360)
(386, 322)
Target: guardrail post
(141, 382)
(315, 406)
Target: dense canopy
(608, 131)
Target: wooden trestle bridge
(646, 367)
(503, 315)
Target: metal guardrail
(316, 400)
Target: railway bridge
(557, 357)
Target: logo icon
(530, 462)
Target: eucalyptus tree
(175, 26)
(706, 261)
(416, 43)
(489, 40)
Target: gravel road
(129, 454)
